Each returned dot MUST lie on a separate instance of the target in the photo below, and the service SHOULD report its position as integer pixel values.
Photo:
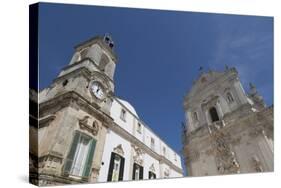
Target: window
(116, 168)
(152, 143)
(79, 159)
(151, 175)
(175, 156)
(195, 116)
(214, 114)
(164, 151)
(139, 128)
(137, 172)
(123, 115)
(229, 98)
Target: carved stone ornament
(167, 172)
(256, 164)
(119, 150)
(94, 128)
(256, 132)
(225, 158)
(152, 168)
(138, 158)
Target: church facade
(84, 133)
(226, 131)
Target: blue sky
(159, 54)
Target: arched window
(103, 62)
(229, 97)
(214, 114)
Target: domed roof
(129, 107)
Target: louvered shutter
(134, 171)
(121, 171)
(149, 175)
(89, 160)
(111, 165)
(70, 156)
(141, 173)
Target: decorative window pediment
(138, 155)
(152, 168)
(119, 150)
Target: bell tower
(90, 73)
(76, 107)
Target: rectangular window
(164, 151)
(139, 128)
(151, 175)
(123, 115)
(175, 156)
(137, 172)
(116, 168)
(152, 144)
(79, 159)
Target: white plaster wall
(113, 140)
(148, 135)
(115, 114)
(175, 174)
(148, 161)
(130, 125)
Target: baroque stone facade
(81, 132)
(227, 131)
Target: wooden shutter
(121, 171)
(111, 165)
(70, 156)
(88, 166)
(134, 171)
(141, 173)
(149, 175)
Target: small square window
(152, 143)
(164, 151)
(175, 156)
(123, 115)
(139, 128)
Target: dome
(129, 107)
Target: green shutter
(70, 156)
(88, 166)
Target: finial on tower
(253, 89)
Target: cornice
(67, 99)
(72, 98)
(119, 130)
(88, 71)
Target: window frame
(123, 114)
(139, 127)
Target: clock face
(98, 90)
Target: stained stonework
(236, 137)
(69, 107)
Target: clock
(98, 90)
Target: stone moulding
(119, 130)
(45, 121)
(72, 98)
(119, 150)
(83, 124)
